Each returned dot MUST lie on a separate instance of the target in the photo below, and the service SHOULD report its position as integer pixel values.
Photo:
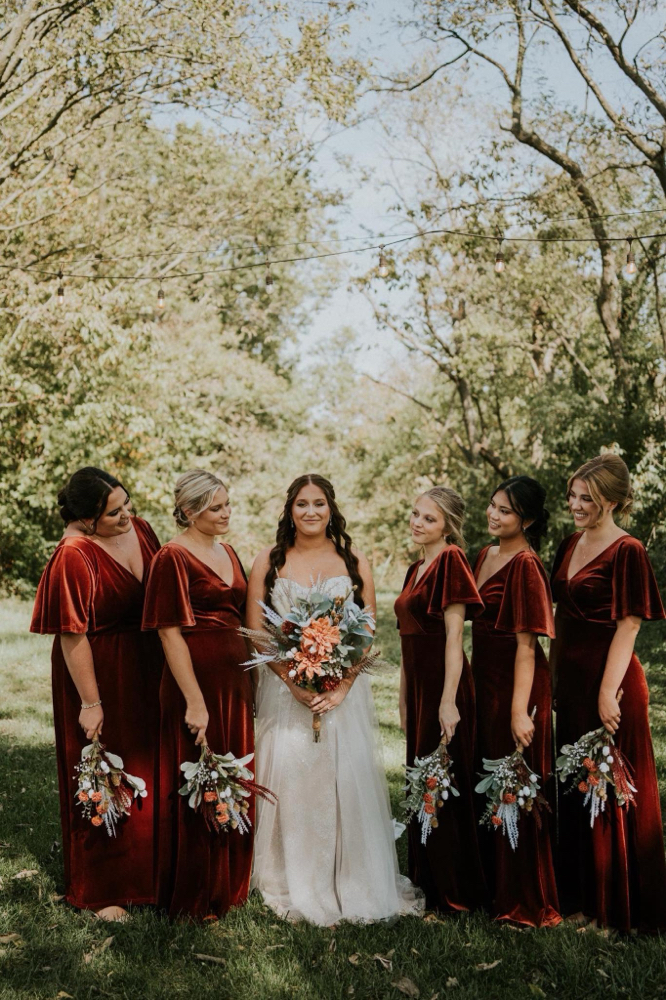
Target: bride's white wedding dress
(326, 851)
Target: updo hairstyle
(607, 478)
(452, 507)
(527, 498)
(85, 495)
(194, 491)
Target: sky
(365, 208)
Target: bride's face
(310, 511)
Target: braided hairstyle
(527, 497)
(336, 531)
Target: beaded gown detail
(326, 852)
(614, 871)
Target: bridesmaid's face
(310, 511)
(117, 516)
(585, 512)
(427, 522)
(503, 522)
(214, 520)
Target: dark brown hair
(86, 493)
(527, 498)
(336, 531)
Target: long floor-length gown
(326, 852)
(517, 599)
(201, 873)
(448, 866)
(615, 871)
(85, 591)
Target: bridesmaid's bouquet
(105, 790)
(512, 789)
(319, 642)
(429, 783)
(595, 765)
(219, 786)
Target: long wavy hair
(336, 531)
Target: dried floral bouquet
(430, 782)
(319, 642)
(219, 786)
(595, 765)
(105, 790)
(512, 789)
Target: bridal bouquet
(429, 783)
(595, 765)
(512, 789)
(105, 790)
(319, 642)
(219, 787)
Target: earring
(291, 522)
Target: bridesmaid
(613, 873)
(195, 596)
(437, 696)
(106, 676)
(512, 676)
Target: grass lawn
(47, 950)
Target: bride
(326, 852)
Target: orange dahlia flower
(83, 797)
(429, 809)
(308, 664)
(427, 797)
(509, 797)
(592, 779)
(96, 796)
(431, 782)
(210, 796)
(96, 821)
(589, 764)
(320, 638)
(583, 786)
(496, 820)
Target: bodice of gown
(286, 591)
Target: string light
(60, 294)
(499, 259)
(160, 299)
(270, 284)
(631, 258)
(382, 270)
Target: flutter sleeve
(453, 583)
(167, 602)
(65, 593)
(635, 590)
(527, 605)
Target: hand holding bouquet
(594, 765)
(430, 782)
(219, 787)
(105, 790)
(319, 643)
(512, 789)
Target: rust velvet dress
(614, 871)
(448, 866)
(85, 591)
(517, 599)
(200, 873)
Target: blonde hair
(452, 507)
(607, 478)
(194, 491)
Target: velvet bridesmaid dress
(615, 871)
(517, 599)
(85, 591)
(201, 873)
(448, 866)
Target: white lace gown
(326, 852)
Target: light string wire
(30, 269)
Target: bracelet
(93, 704)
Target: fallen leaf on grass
(536, 990)
(63, 994)
(27, 873)
(97, 950)
(354, 959)
(332, 944)
(600, 972)
(451, 982)
(272, 947)
(6, 938)
(385, 960)
(484, 966)
(431, 918)
(57, 899)
(407, 987)
(210, 958)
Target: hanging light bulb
(631, 259)
(60, 294)
(160, 299)
(270, 284)
(382, 270)
(499, 259)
